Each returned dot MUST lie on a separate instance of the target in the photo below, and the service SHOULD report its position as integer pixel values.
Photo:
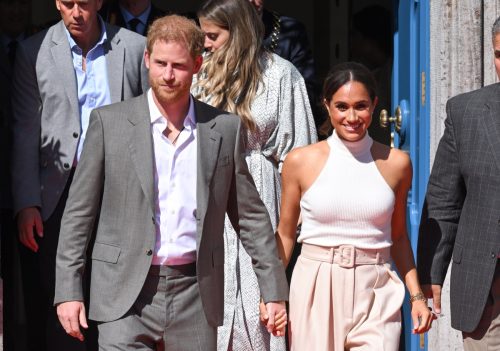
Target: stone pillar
(461, 61)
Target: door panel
(410, 94)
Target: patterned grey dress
(284, 121)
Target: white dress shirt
(175, 189)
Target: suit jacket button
(75, 135)
(149, 252)
(493, 255)
(66, 166)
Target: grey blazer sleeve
(250, 219)
(27, 110)
(79, 215)
(442, 208)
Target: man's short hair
(177, 29)
(496, 28)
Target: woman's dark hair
(341, 74)
(345, 72)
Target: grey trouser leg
(167, 316)
(486, 337)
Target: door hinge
(423, 87)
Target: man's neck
(89, 42)
(135, 7)
(175, 112)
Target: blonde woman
(269, 95)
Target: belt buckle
(347, 255)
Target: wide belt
(346, 256)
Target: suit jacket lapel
(491, 120)
(208, 151)
(141, 147)
(115, 56)
(61, 54)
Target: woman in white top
(269, 94)
(351, 193)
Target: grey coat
(461, 215)
(114, 182)
(46, 118)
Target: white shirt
(175, 189)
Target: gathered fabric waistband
(346, 256)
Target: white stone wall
(461, 61)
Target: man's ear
(99, 4)
(198, 61)
(146, 58)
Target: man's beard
(165, 96)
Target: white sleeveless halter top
(349, 203)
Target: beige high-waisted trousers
(344, 298)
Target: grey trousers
(167, 316)
(486, 337)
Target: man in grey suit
(60, 75)
(461, 215)
(159, 183)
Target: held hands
(433, 292)
(29, 220)
(72, 315)
(422, 317)
(273, 316)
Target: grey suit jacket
(461, 215)
(46, 118)
(114, 182)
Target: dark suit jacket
(5, 136)
(116, 169)
(461, 214)
(111, 13)
(5, 122)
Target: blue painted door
(410, 99)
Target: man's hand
(433, 292)
(28, 221)
(274, 317)
(72, 315)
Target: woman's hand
(422, 317)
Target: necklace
(275, 34)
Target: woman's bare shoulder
(395, 157)
(394, 164)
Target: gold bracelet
(418, 297)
